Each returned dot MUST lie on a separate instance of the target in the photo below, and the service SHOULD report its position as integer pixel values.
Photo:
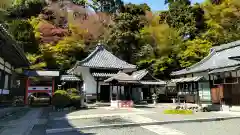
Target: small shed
(121, 96)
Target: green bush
(61, 99)
(176, 111)
(73, 91)
(76, 101)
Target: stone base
(225, 108)
(235, 108)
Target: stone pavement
(24, 125)
(161, 130)
(4, 111)
(147, 117)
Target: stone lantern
(154, 98)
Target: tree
(189, 20)
(165, 43)
(26, 8)
(194, 51)
(50, 33)
(124, 37)
(23, 32)
(70, 49)
(109, 6)
(145, 7)
(223, 21)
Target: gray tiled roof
(122, 77)
(139, 74)
(188, 79)
(103, 74)
(218, 58)
(153, 82)
(69, 78)
(101, 58)
(219, 70)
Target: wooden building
(11, 58)
(219, 73)
(101, 65)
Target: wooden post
(111, 89)
(97, 90)
(26, 91)
(117, 93)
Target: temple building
(215, 79)
(11, 58)
(101, 65)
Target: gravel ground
(85, 122)
(112, 131)
(225, 127)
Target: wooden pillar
(53, 86)
(117, 93)
(97, 90)
(198, 99)
(26, 91)
(111, 89)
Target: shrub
(186, 112)
(73, 91)
(76, 101)
(61, 99)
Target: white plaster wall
(89, 83)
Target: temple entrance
(39, 99)
(104, 93)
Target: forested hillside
(56, 33)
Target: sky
(155, 4)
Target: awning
(153, 82)
(220, 70)
(188, 79)
(42, 73)
(69, 78)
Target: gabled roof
(122, 77)
(139, 74)
(101, 58)
(218, 58)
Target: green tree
(165, 43)
(189, 20)
(23, 32)
(26, 8)
(223, 21)
(110, 6)
(194, 51)
(124, 37)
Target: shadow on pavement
(70, 125)
(45, 123)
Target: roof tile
(101, 58)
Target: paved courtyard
(60, 123)
(106, 121)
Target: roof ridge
(216, 49)
(97, 49)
